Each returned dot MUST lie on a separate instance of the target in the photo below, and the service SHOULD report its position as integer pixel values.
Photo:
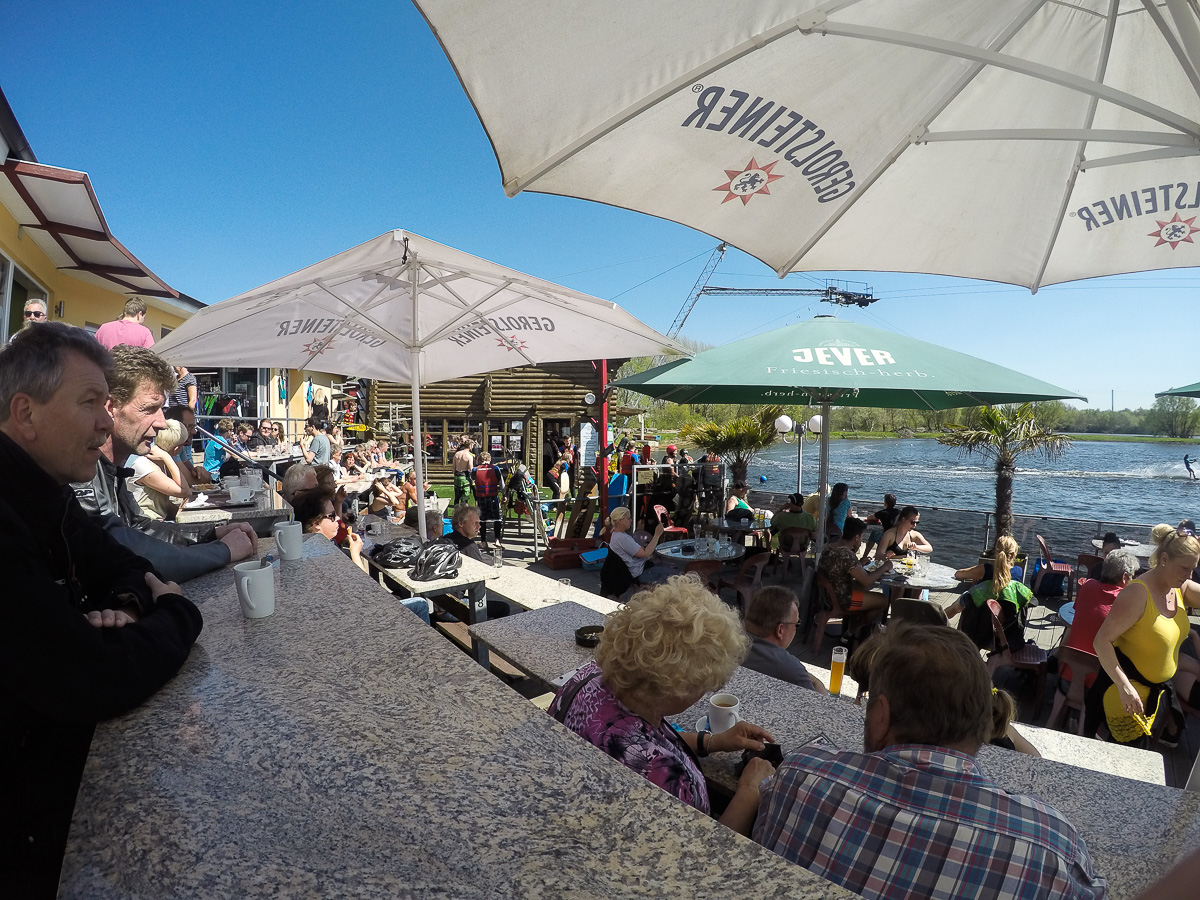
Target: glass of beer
(836, 669)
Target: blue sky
(232, 143)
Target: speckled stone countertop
(1135, 827)
(341, 748)
(268, 504)
(541, 643)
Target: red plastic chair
(677, 532)
(1058, 568)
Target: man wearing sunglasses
(35, 313)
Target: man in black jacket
(90, 632)
(137, 387)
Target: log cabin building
(511, 411)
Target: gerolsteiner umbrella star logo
(744, 183)
(1174, 231)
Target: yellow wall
(83, 301)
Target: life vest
(628, 460)
(487, 481)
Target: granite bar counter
(268, 508)
(339, 748)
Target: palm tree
(737, 442)
(1005, 434)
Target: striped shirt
(919, 821)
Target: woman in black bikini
(899, 540)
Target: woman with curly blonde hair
(658, 656)
(1138, 644)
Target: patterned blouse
(836, 564)
(655, 752)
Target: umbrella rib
(1106, 135)
(1040, 71)
(935, 109)
(1181, 56)
(471, 308)
(356, 313)
(1110, 27)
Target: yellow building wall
(82, 301)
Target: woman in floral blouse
(671, 645)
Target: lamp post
(785, 427)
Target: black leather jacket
(177, 554)
(59, 674)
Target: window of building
(16, 287)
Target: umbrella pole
(415, 375)
(823, 479)
(418, 447)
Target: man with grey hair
(1094, 598)
(35, 314)
(772, 617)
(914, 815)
(299, 477)
(91, 630)
(128, 329)
(137, 391)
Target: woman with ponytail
(1013, 599)
(1138, 644)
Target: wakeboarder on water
(1187, 462)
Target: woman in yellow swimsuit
(1138, 644)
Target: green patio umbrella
(1188, 390)
(831, 362)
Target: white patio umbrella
(1021, 141)
(402, 308)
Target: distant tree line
(1177, 417)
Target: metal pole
(823, 479)
(601, 443)
(800, 459)
(414, 353)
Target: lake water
(1098, 482)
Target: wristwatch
(702, 739)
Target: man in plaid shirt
(914, 816)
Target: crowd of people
(95, 461)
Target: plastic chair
(705, 569)
(793, 542)
(829, 612)
(1059, 568)
(1028, 657)
(918, 612)
(748, 579)
(1085, 561)
(1075, 667)
(670, 531)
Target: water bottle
(925, 595)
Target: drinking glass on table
(497, 556)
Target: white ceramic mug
(229, 482)
(255, 585)
(253, 479)
(239, 493)
(289, 539)
(723, 712)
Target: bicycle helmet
(436, 560)
(396, 554)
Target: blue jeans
(419, 607)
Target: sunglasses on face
(34, 314)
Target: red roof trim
(15, 170)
